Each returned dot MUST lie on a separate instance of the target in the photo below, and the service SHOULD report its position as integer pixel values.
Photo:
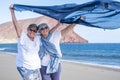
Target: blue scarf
(103, 14)
(50, 48)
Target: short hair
(42, 25)
(32, 26)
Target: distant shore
(70, 70)
(7, 41)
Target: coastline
(110, 67)
(70, 70)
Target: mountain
(8, 33)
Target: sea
(99, 54)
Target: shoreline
(112, 67)
(70, 70)
(116, 68)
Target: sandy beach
(70, 71)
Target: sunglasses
(33, 30)
(44, 28)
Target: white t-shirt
(55, 39)
(28, 52)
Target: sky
(93, 35)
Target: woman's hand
(11, 8)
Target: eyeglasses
(33, 30)
(44, 28)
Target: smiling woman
(28, 62)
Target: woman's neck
(31, 38)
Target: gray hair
(32, 26)
(42, 25)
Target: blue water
(95, 53)
(9, 48)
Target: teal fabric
(50, 48)
(103, 14)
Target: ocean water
(8, 48)
(104, 54)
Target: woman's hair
(32, 26)
(42, 25)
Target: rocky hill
(8, 34)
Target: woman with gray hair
(50, 52)
(28, 62)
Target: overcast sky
(93, 35)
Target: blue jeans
(51, 76)
(28, 74)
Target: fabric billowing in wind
(99, 14)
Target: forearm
(15, 23)
(55, 27)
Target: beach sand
(70, 71)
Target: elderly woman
(28, 62)
(50, 52)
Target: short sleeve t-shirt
(28, 56)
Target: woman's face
(44, 31)
(31, 32)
